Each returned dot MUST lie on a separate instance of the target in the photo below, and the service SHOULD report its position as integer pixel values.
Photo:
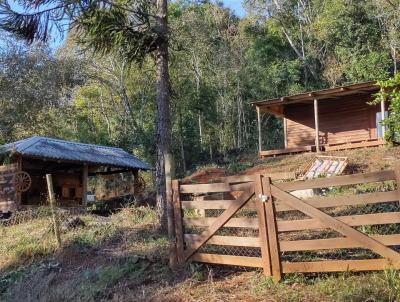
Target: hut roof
(56, 149)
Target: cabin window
(378, 123)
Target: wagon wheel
(22, 181)
(140, 185)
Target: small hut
(26, 163)
(330, 119)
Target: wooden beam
(285, 132)
(338, 266)
(272, 232)
(316, 123)
(263, 227)
(259, 129)
(227, 259)
(84, 185)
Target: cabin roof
(56, 149)
(329, 93)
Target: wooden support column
(84, 184)
(259, 130)
(316, 123)
(285, 131)
(383, 117)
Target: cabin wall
(341, 120)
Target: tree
(131, 29)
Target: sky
(236, 6)
(56, 40)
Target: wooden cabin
(71, 164)
(324, 120)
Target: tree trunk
(163, 135)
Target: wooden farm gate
(255, 221)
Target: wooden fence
(258, 221)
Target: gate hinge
(264, 198)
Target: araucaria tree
(130, 29)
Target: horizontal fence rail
(258, 221)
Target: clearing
(124, 257)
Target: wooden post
(180, 253)
(169, 171)
(259, 130)
(285, 131)
(52, 201)
(84, 185)
(273, 240)
(262, 225)
(383, 118)
(316, 123)
(135, 181)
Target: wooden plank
(397, 177)
(346, 146)
(334, 243)
(212, 188)
(301, 224)
(244, 222)
(319, 202)
(221, 220)
(337, 181)
(263, 226)
(213, 204)
(225, 240)
(286, 151)
(6, 206)
(205, 188)
(338, 266)
(180, 255)
(250, 178)
(272, 232)
(352, 220)
(8, 168)
(227, 259)
(360, 199)
(337, 225)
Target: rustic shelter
(26, 163)
(329, 119)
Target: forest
(218, 64)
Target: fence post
(178, 222)
(272, 231)
(262, 225)
(396, 169)
(53, 212)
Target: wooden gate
(258, 221)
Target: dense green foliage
(390, 92)
(218, 64)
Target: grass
(125, 257)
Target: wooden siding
(340, 121)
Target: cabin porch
(326, 120)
